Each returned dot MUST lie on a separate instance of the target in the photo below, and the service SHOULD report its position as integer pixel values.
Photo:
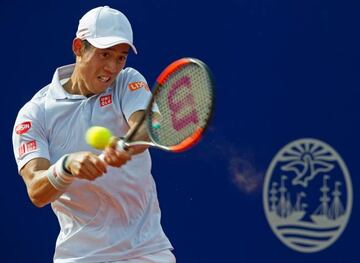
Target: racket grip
(102, 157)
(120, 146)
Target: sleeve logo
(23, 127)
(27, 147)
(138, 85)
(105, 100)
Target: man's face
(98, 68)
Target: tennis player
(108, 210)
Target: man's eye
(104, 54)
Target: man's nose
(112, 67)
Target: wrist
(65, 164)
(59, 176)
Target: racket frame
(187, 143)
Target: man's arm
(141, 134)
(40, 190)
(82, 165)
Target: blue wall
(284, 70)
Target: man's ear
(77, 47)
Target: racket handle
(102, 157)
(120, 146)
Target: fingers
(86, 165)
(138, 149)
(132, 150)
(117, 158)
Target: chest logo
(105, 100)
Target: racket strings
(185, 104)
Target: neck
(76, 85)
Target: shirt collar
(56, 89)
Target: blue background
(284, 70)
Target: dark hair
(86, 46)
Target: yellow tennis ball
(98, 137)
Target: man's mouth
(104, 79)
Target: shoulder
(129, 71)
(129, 78)
(41, 94)
(130, 74)
(36, 105)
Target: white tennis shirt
(117, 216)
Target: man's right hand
(85, 165)
(116, 158)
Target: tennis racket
(184, 96)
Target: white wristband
(58, 176)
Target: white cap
(105, 27)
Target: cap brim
(106, 42)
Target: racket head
(182, 105)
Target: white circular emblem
(307, 195)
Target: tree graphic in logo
(307, 195)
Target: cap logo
(23, 127)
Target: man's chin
(102, 86)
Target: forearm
(141, 134)
(44, 182)
(40, 190)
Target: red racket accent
(170, 69)
(189, 142)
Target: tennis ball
(98, 137)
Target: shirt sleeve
(29, 137)
(135, 92)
